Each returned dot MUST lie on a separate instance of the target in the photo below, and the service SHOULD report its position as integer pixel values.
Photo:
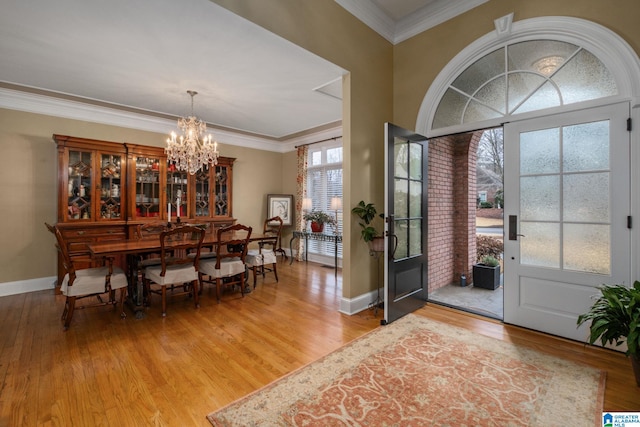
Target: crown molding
(371, 15)
(69, 109)
(311, 138)
(421, 20)
(428, 17)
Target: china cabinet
(145, 189)
(158, 191)
(90, 179)
(106, 189)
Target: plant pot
(317, 227)
(635, 363)
(486, 277)
(377, 244)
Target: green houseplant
(318, 220)
(615, 318)
(367, 213)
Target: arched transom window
(522, 77)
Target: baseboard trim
(24, 286)
(360, 303)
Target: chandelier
(192, 149)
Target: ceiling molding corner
(372, 16)
(428, 17)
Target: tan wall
(326, 29)
(29, 176)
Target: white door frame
(615, 53)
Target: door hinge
(629, 124)
(629, 221)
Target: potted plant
(318, 220)
(367, 214)
(486, 273)
(615, 318)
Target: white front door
(567, 207)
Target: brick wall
(441, 207)
(452, 208)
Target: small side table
(335, 238)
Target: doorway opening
(466, 200)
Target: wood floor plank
(173, 371)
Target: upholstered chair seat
(174, 274)
(92, 281)
(257, 259)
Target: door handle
(513, 228)
(391, 233)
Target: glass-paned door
(406, 267)
(147, 187)
(567, 200)
(111, 180)
(203, 193)
(177, 201)
(222, 193)
(80, 185)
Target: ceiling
(144, 55)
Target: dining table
(135, 247)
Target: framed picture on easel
(280, 205)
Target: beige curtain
(301, 193)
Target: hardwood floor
(173, 371)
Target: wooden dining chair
(149, 231)
(272, 227)
(176, 272)
(91, 282)
(228, 267)
(258, 259)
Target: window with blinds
(324, 182)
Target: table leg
(291, 249)
(136, 292)
(335, 255)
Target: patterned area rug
(420, 372)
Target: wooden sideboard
(106, 189)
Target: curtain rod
(317, 142)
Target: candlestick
(169, 211)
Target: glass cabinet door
(177, 192)
(203, 193)
(222, 187)
(110, 188)
(80, 185)
(147, 187)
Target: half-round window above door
(522, 77)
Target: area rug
(419, 372)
